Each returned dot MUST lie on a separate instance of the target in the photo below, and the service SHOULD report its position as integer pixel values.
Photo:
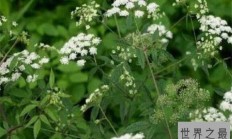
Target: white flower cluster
(131, 136)
(125, 54)
(79, 46)
(94, 97)
(200, 6)
(139, 8)
(215, 30)
(216, 27)
(2, 20)
(129, 82)
(14, 66)
(161, 30)
(85, 14)
(226, 104)
(213, 115)
(210, 115)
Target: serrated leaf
(27, 109)
(51, 79)
(33, 119)
(44, 119)
(36, 129)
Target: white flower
(152, 7)
(164, 40)
(224, 35)
(123, 13)
(14, 24)
(22, 68)
(33, 56)
(169, 34)
(44, 60)
(161, 30)
(139, 13)
(82, 44)
(15, 76)
(27, 61)
(142, 3)
(72, 56)
(119, 2)
(130, 136)
(64, 60)
(225, 106)
(112, 11)
(4, 80)
(31, 78)
(217, 40)
(81, 62)
(130, 5)
(3, 18)
(35, 66)
(84, 52)
(96, 41)
(93, 50)
(87, 27)
(230, 40)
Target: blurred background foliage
(49, 21)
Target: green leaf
(78, 77)
(69, 68)
(141, 58)
(93, 84)
(138, 126)
(94, 113)
(51, 79)
(44, 119)
(27, 109)
(77, 92)
(21, 93)
(36, 129)
(2, 132)
(4, 7)
(44, 100)
(51, 114)
(123, 110)
(47, 29)
(63, 95)
(13, 63)
(151, 132)
(33, 119)
(56, 136)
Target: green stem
(7, 53)
(116, 21)
(52, 131)
(171, 65)
(115, 132)
(158, 93)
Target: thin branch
(115, 132)
(158, 92)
